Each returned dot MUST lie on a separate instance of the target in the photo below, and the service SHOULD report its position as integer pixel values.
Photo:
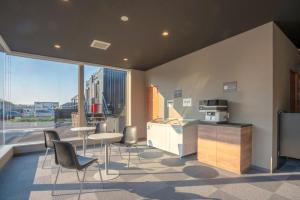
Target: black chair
(129, 140)
(66, 157)
(49, 136)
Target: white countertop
(87, 128)
(179, 122)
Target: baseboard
(262, 169)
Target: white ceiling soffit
(4, 45)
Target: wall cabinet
(226, 147)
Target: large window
(40, 94)
(2, 73)
(105, 94)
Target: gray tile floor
(159, 175)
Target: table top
(87, 128)
(106, 137)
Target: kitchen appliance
(216, 110)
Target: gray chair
(129, 140)
(49, 136)
(101, 127)
(66, 157)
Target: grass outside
(31, 119)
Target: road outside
(20, 132)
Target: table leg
(112, 173)
(83, 144)
(106, 159)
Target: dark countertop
(230, 124)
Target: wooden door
(293, 91)
(152, 103)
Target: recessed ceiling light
(165, 33)
(125, 59)
(65, 0)
(57, 46)
(124, 18)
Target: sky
(41, 80)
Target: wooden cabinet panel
(207, 145)
(227, 157)
(246, 150)
(152, 103)
(229, 148)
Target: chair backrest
(101, 127)
(129, 135)
(49, 136)
(65, 155)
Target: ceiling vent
(100, 45)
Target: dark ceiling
(33, 26)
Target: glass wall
(105, 95)
(38, 95)
(2, 73)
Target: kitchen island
(175, 136)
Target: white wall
(246, 58)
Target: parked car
(12, 114)
(44, 113)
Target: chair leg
(78, 176)
(128, 156)
(100, 174)
(81, 183)
(138, 153)
(120, 152)
(46, 154)
(53, 189)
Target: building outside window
(106, 89)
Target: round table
(85, 130)
(107, 139)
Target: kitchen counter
(230, 124)
(173, 135)
(180, 122)
(225, 145)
